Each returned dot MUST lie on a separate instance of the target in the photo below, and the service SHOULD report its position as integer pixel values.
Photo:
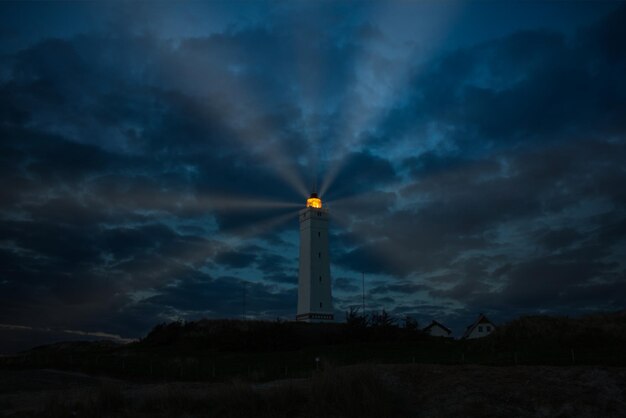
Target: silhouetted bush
(542, 339)
(237, 335)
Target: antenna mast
(363, 300)
(244, 301)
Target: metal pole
(243, 317)
(363, 287)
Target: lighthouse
(315, 302)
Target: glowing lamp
(314, 201)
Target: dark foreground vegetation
(363, 391)
(259, 351)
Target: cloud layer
(150, 174)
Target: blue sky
(154, 155)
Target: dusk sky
(153, 158)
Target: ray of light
(371, 85)
(314, 68)
(388, 251)
(174, 201)
(275, 159)
(243, 114)
(170, 266)
(187, 73)
(258, 228)
(365, 198)
(237, 203)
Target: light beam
(379, 78)
(172, 265)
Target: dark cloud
(362, 172)
(236, 259)
(270, 263)
(368, 259)
(405, 288)
(528, 86)
(345, 285)
(289, 279)
(224, 296)
(560, 238)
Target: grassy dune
(354, 391)
(259, 351)
(531, 367)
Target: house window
(319, 255)
(319, 213)
(319, 234)
(488, 328)
(320, 279)
(320, 304)
(480, 329)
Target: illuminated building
(315, 302)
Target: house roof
(482, 319)
(438, 324)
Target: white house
(435, 329)
(480, 328)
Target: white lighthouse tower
(315, 301)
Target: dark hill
(591, 330)
(236, 335)
(541, 339)
(265, 350)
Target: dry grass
(356, 391)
